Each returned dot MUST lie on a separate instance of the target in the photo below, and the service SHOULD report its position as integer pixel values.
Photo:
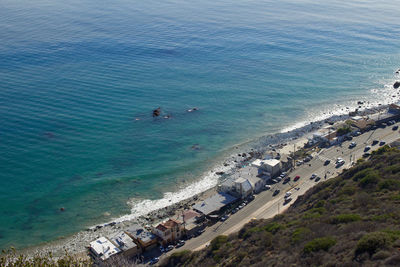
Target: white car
(267, 187)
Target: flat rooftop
(214, 203)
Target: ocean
(79, 81)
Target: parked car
(274, 181)
(339, 162)
(287, 200)
(162, 249)
(224, 218)
(313, 176)
(366, 155)
(296, 178)
(298, 163)
(382, 143)
(375, 142)
(352, 144)
(367, 148)
(169, 248)
(395, 128)
(267, 187)
(278, 179)
(307, 159)
(180, 244)
(154, 260)
(288, 194)
(283, 174)
(287, 180)
(327, 162)
(357, 133)
(317, 179)
(276, 192)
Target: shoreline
(76, 243)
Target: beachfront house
(192, 221)
(143, 238)
(243, 188)
(273, 166)
(126, 244)
(214, 205)
(256, 183)
(103, 249)
(170, 231)
(286, 162)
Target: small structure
(256, 183)
(286, 162)
(214, 204)
(143, 238)
(192, 221)
(273, 166)
(126, 244)
(103, 249)
(243, 188)
(384, 117)
(169, 231)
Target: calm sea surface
(76, 75)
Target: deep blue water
(75, 75)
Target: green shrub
(344, 218)
(273, 227)
(390, 184)
(299, 234)
(343, 130)
(317, 244)
(372, 242)
(217, 242)
(369, 180)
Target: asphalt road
(267, 206)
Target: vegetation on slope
(350, 220)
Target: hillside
(350, 220)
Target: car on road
(339, 162)
(357, 133)
(267, 187)
(298, 163)
(366, 155)
(288, 194)
(375, 142)
(154, 260)
(283, 174)
(327, 162)
(394, 128)
(287, 180)
(278, 179)
(162, 249)
(317, 179)
(274, 181)
(180, 244)
(307, 159)
(276, 192)
(224, 218)
(367, 148)
(287, 200)
(169, 248)
(352, 144)
(313, 176)
(382, 143)
(296, 178)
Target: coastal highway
(267, 206)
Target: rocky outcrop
(157, 112)
(396, 85)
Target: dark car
(287, 200)
(317, 179)
(169, 248)
(366, 155)
(287, 180)
(180, 244)
(296, 178)
(395, 128)
(375, 142)
(154, 260)
(276, 192)
(327, 162)
(382, 143)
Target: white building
(243, 187)
(273, 166)
(126, 244)
(103, 248)
(256, 183)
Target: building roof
(253, 180)
(138, 232)
(188, 215)
(271, 162)
(103, 248)
(214, 203)
(245, 184)
(168, 224)
(257, 163)
(123, 241)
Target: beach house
(143, 238)
(103, 249)
(170, 231)
(126, 244)
(215, 204)
(192, 221)
(242, 188)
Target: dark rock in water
(360, 103)
(239, 155)
(244, 155)
(62, 209)
(157, 112)
(398, 71)
(226, 164)
(220, 173)
(396, 85)
(196, 147)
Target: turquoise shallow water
(75, 75)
